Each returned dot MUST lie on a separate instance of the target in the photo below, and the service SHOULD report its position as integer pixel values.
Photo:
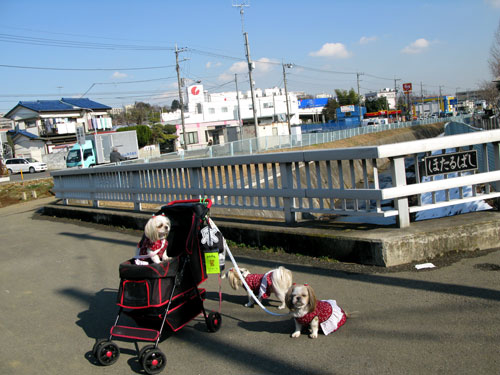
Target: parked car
(16, 165)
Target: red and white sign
(195, 90)
(195, 93)
(407, 87)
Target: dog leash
(248, 288)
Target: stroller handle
(205, 201)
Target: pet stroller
(168, 293)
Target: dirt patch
(16, 192)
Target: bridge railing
(360, 181)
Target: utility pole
(240, 121)
(250, 64)
(439, 102)
(359, 101)
(396, 97)
(286, 97)
(184, 138)
(421, 100)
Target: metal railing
(272, 143)
(330, 181)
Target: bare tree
(494, 60)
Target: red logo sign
(406, 87)
(195, 90)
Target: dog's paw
(249, 304)
(313, 336)
(281, 307)
(295, 334)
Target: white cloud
(367, 39)
(493, 3)
(417, 46)
(119, 75)
(210, 64)
(262, 66)
(336, 50)
(239, 67)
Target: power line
(84, 69)
(9, 38)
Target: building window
(268, 105)
(192, 138)
(224, 109)
(211, 111)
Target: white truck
(97, 148)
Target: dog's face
(234, 279)
(157, 228)
(300, 299)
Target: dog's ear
(168, 224)
(234, 279)
(150, 230)
(288, 298)
(313, 301)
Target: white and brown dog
(276, 281)
(153, 245)
(309, 311)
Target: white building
(216, 116)
(387, 93)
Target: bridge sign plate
(449, 163)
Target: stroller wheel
(144, 350)
(154, 361)
(96, 345)
(107, 353)
(214, 321)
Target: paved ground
(58, 286)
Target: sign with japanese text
(80, 135)
(407, 87)
(448, 163)
(347, 108)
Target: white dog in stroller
(152, 248)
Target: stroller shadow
(97, 320)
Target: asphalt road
(29, 176)
(59, 282)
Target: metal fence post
(287, 183)
(398, 173)
(136, 184)
(496, 160)
(92, 184)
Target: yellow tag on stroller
(212, 262)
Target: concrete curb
(358, 243)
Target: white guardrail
(330, 181)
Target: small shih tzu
(152, 248)
(310, 312)
(276, 281)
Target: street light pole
(359, 101)
(240, 121)
(286, 97)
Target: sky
(121, 52)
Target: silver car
(16, 165)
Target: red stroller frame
(164, 293)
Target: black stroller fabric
(147, 289)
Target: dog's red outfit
(257, 283)
(331, 317)
(146, 243)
